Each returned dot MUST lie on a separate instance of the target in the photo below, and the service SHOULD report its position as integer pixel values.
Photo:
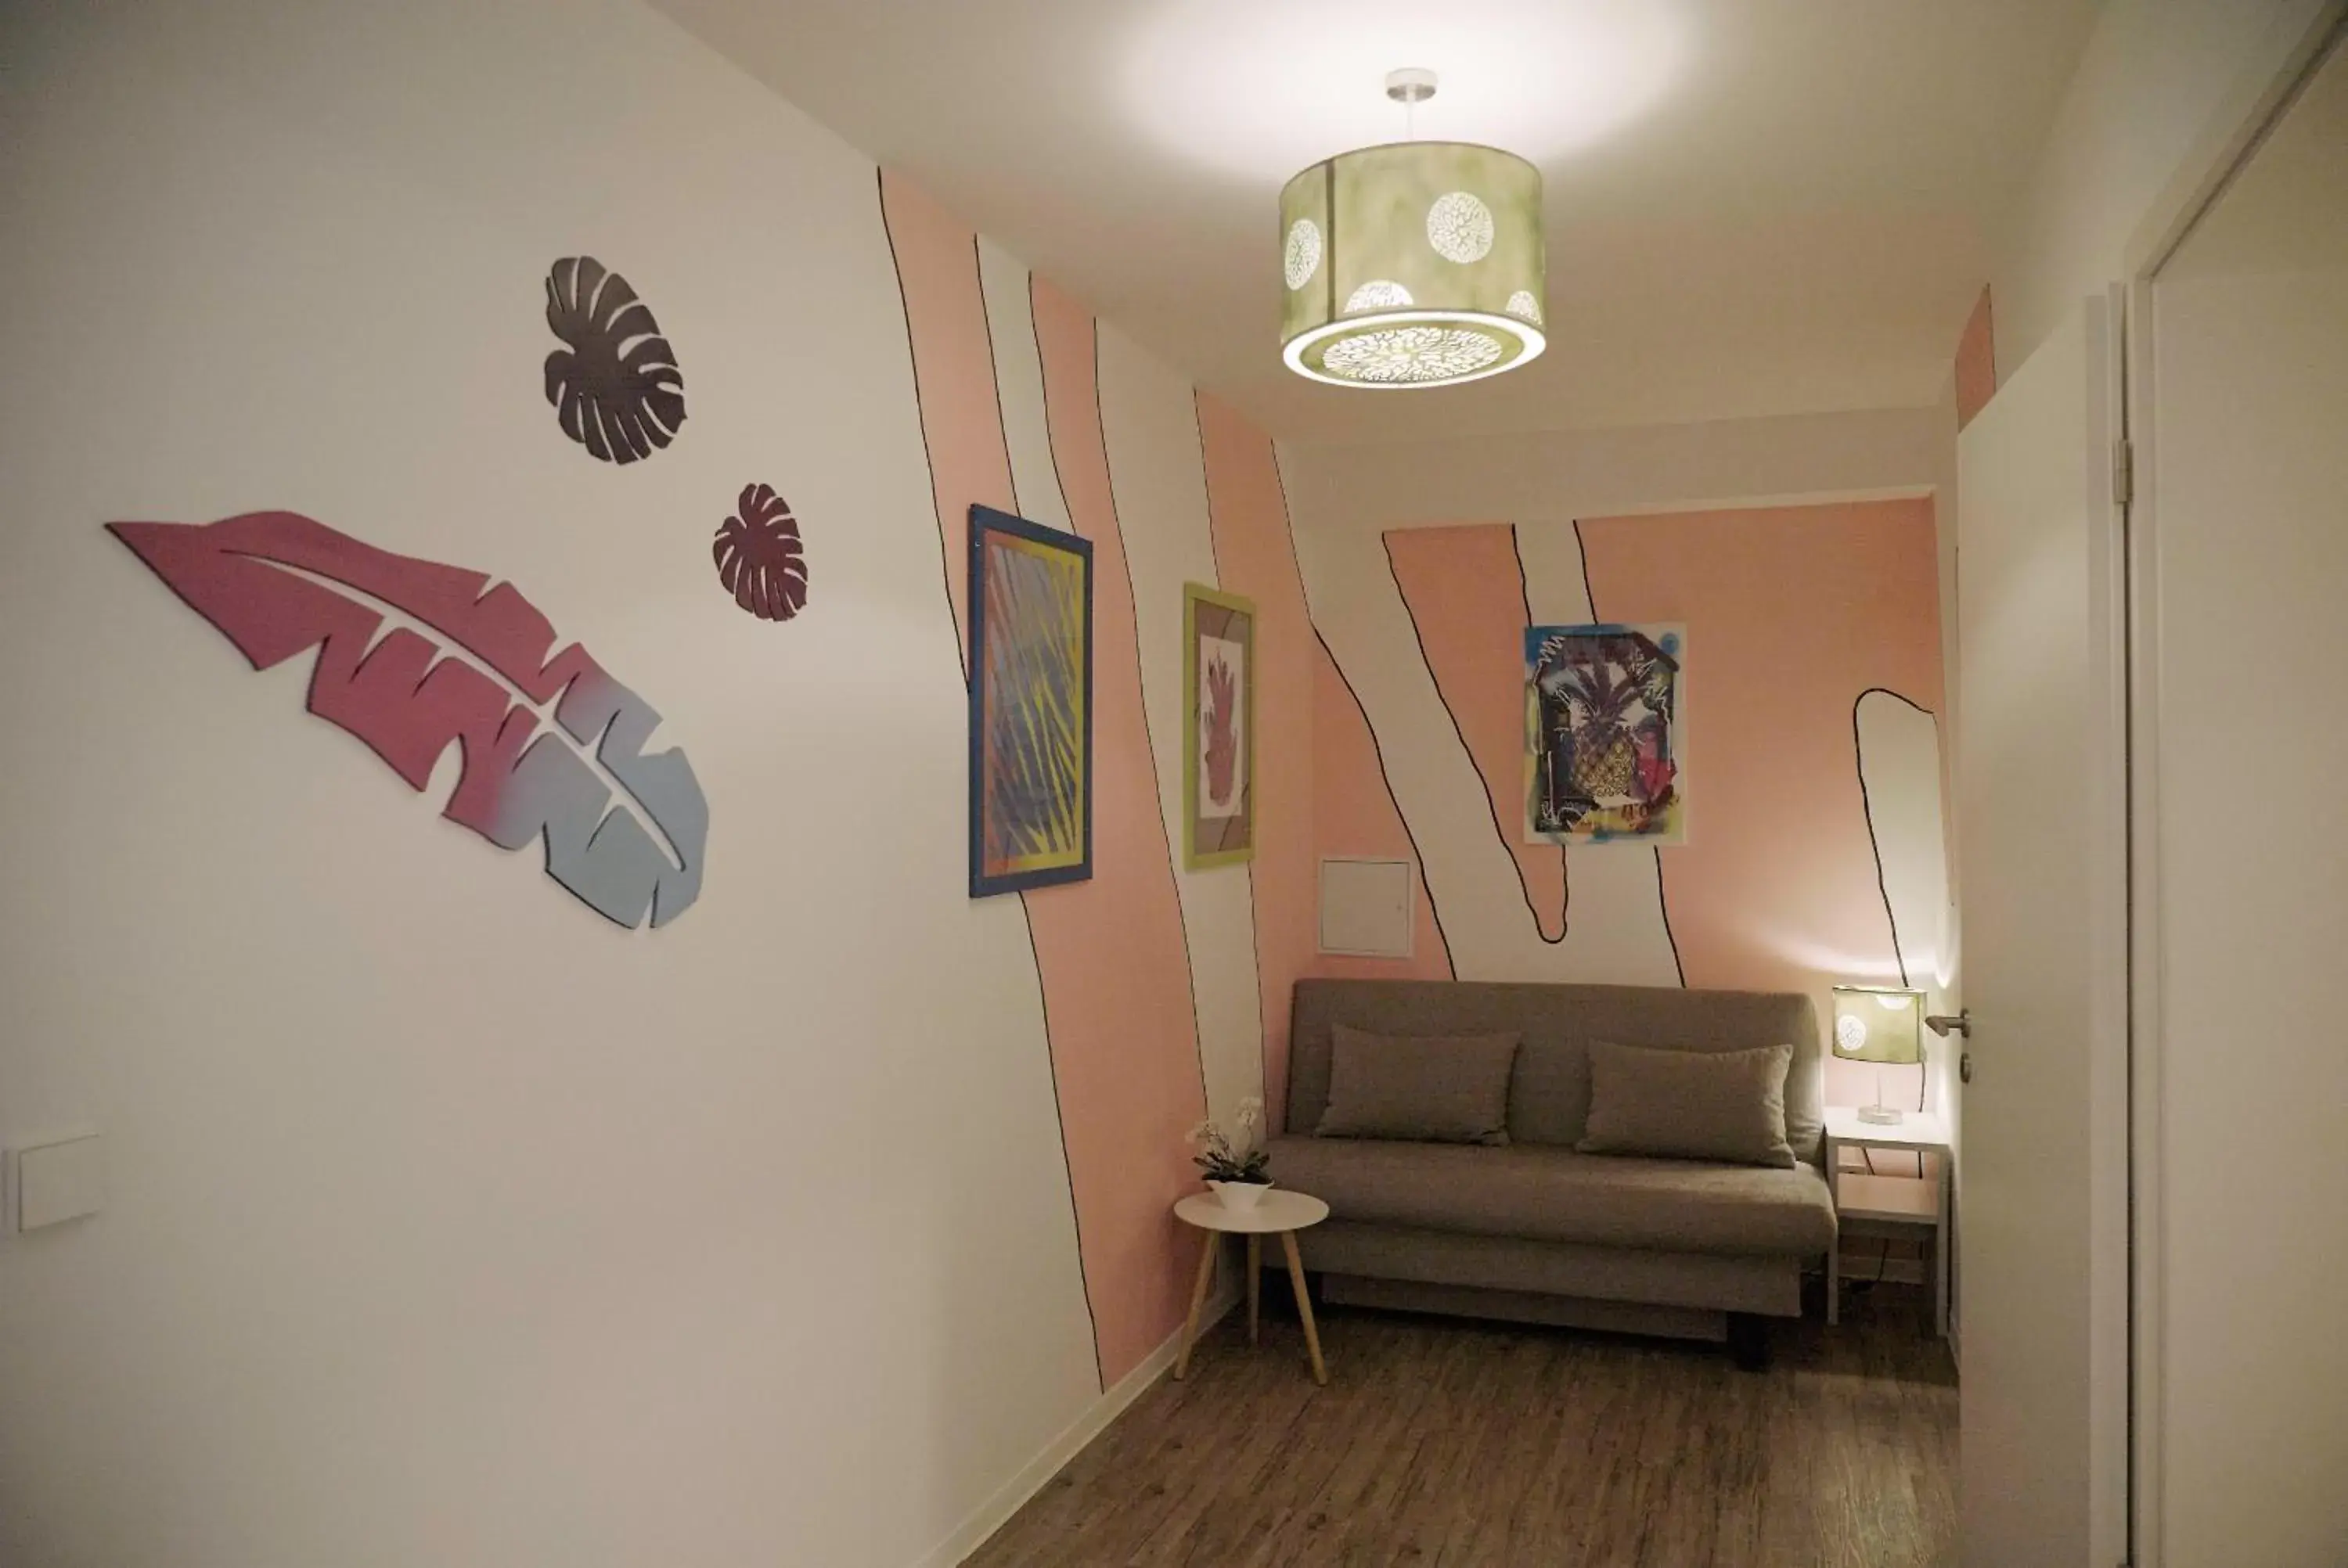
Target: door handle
(1941, 1023)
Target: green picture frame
(1218, 757)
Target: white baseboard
(991, 1515)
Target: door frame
(2297, 40)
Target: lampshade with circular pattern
(1881, 1024)
(1414, 264)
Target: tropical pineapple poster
(1031, 704)
(1218, 698)
(1605, 749)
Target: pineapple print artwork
(1603, 746)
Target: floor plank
(1443, 1443)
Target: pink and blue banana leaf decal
(278, 584)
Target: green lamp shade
(1416, 264)
(1879, 1024)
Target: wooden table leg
(1208, 1243)
(1255, 1283)
(1304, 1305)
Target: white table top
(1917, 1130)
(1278, 1210)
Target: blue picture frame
(1030, 592)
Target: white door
(2245, 550)
(2041, 838)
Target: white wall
(2153, 75)
(1341, 494)
(1150, 423)
(449, 1224)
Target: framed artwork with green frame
(1218, 704)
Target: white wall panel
(449, 1223)
(1019, 386)
(1158, 473)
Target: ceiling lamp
(1418, 264)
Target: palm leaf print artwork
(1219, 700)
(1030, 705)
(1604, 749)
(616, 388)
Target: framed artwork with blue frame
(1031, 704)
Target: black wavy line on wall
(1116, 521)
(1564, 866)
(1377, 748)
(1663, 898)
(928, 462)
(945, 584)
(1418, 861)
(1100, 1369)
(994, 368)
(1491, 801)
(1867, 809)
(1255, 820)
(1875, 846)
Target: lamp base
(1883, 1115)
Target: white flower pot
(1240, 1196)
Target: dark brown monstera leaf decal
(759, 557)
(616, 389)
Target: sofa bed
(1663, 1208)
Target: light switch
(59, 1180)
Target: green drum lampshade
(1881, 1024)
(1414, 264)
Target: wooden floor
(1441, 1441)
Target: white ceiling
(1755, 207)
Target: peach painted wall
(1255, 555)
(1109, 951)
(1792, 612)
(1976, 367)
(954, 368)
(1464, 590)
(1353, 814)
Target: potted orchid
(1234, 1162)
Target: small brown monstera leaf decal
(759, 557)
(616, 388)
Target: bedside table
(1869, 1205)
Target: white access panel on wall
(1365, 910)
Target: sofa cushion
(1447, 1089)
(1548, 1099)
(1723, 1105)
(1538, 1193)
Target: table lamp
(1884, 1025)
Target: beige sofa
(1533, 1231)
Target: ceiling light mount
(1410, 85)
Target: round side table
(1280, 1213)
